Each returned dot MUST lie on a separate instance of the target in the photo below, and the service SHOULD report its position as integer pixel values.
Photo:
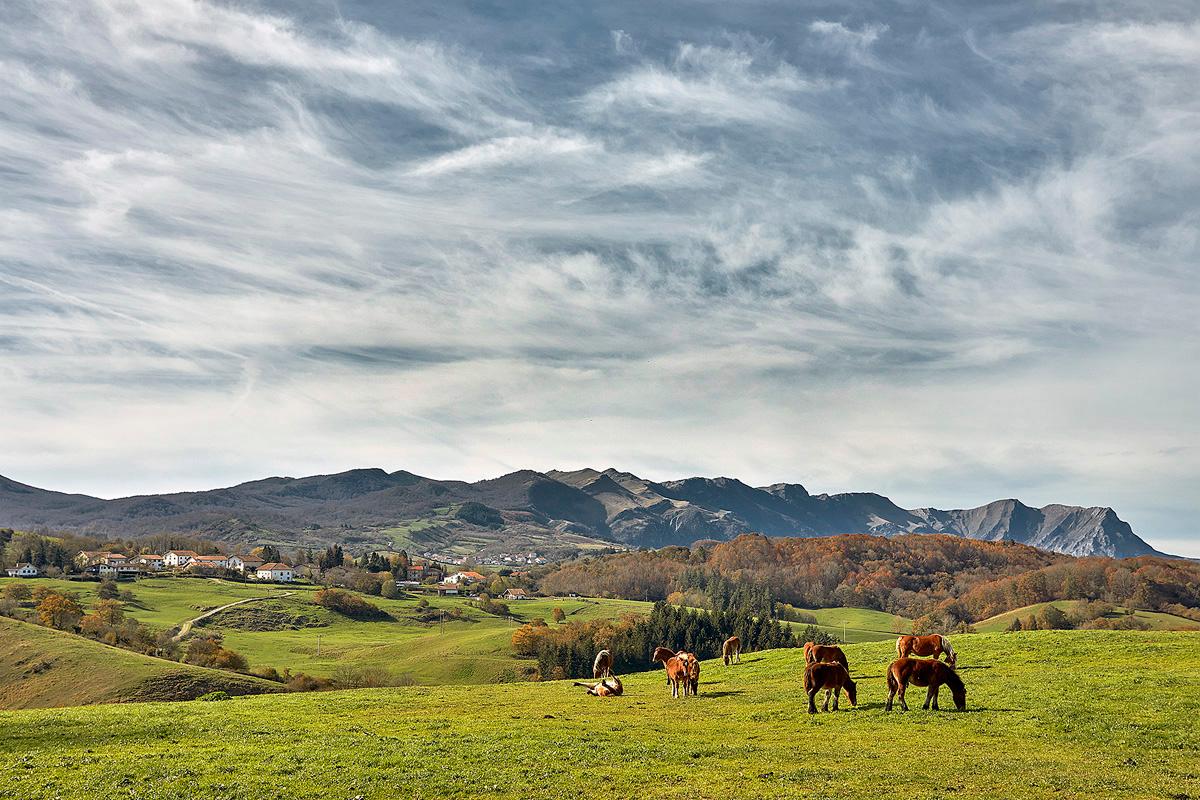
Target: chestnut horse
(832, 678)
(602, 666)
(609, 687)
(824, 652)
(678, 669)
(922, 672)
(932, 645)
(693, 672)
(731, 651)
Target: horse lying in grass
(932, 645)
(608, 687)
(831, 677)
(731, 651)
(824, 652)
(923, 672)
(602, 666)
(680, 668)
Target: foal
(832, 678)
(922, 672)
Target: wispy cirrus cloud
(949, 255)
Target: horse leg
(825, 707)
(934, 691)
(812, 703)
(891, 696)
(836, 692)
(929, 695)
(903, 689)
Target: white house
(245, 564)
(24, 571)
(150, 561)
(516, 594)
(178, 558)
(209, 561)
(465, 577)
(274, 572)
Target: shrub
(351, 605)
(214, 696)
(207, 651)
(793, 614)
(108, 590)
(812, 633)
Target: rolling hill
(1050, 715)
(43, 668)
(555, 513)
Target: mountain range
(554, 512)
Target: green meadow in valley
(1051, 714)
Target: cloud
(236, 243)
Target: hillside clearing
(1157, 620)
(1075, 714)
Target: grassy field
(1155, 619)
(855, 625)
(475, 649)
(41, 668)
(1073, 714)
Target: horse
(678, 669)
(731, 651)
(921, 672)
(824, 652)
(608, 687)
(932, 645)
(693, 672)
(831, 677)
(602, 666)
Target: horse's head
(958, 691)
(661, 654)
(851, 692)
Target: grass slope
(474, 650)
(857, 624)
(1155, 619)
(1077, 714)
(41, 668)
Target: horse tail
(808, 679)
(899, 647)
(892, 682)
(950, 654)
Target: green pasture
(1051, 714)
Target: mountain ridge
(555, 507)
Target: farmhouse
(245, 564)
(24, 571)
(421, 572)
(466, 577)
(104, 569)
(178, 558)
(516, 594)
(150, 561)
(275, 572)
(86, 557)
(447, 588)
(209, 561)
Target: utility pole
(318, 645)
(843, 633)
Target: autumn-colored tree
(110, 612)
(59, 611)
(558, 614)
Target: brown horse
(693, 672)
(832, 678)
(921, 672)
(824, 652)
(602, 666)
(609, 687)
(678, 669)
(731, 651)
(932, 645)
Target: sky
(943, 251)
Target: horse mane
(946, 646)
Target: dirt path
(186, 627)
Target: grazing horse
(832, 678)
(602, 666)
(678, 669)
(824, 652)
(608, 687)
(921, 672)
(932, 645)
(731, 651)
